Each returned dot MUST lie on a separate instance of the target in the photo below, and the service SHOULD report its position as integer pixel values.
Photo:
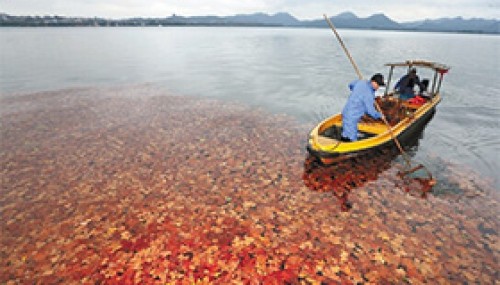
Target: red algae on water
(133, 186)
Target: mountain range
(345, 20)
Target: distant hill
(345, 20)
(348, 20)
(280, 19)
(456, 25)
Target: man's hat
(379, 78)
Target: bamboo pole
(396, 141)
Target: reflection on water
(344, 176)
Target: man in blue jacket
(360, 102)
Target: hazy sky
(397, 10)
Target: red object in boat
(417, 100)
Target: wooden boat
(406, 119)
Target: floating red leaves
(346, 175)
(105, 186)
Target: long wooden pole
(396, 141)
(344, 47)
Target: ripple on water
(471, 139)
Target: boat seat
(372, 128)
(326, 140)
(365, 130)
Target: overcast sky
(398, 10)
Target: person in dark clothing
(406, 84)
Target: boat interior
(394, 109)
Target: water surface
(155, 155)
(301, 72)
(131, 185)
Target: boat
(405, 119)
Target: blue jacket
(360, 102)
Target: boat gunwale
(339, 147)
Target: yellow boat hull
(330, 149)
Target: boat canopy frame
(439, 71)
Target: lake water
(301, 72)
(156, 155)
